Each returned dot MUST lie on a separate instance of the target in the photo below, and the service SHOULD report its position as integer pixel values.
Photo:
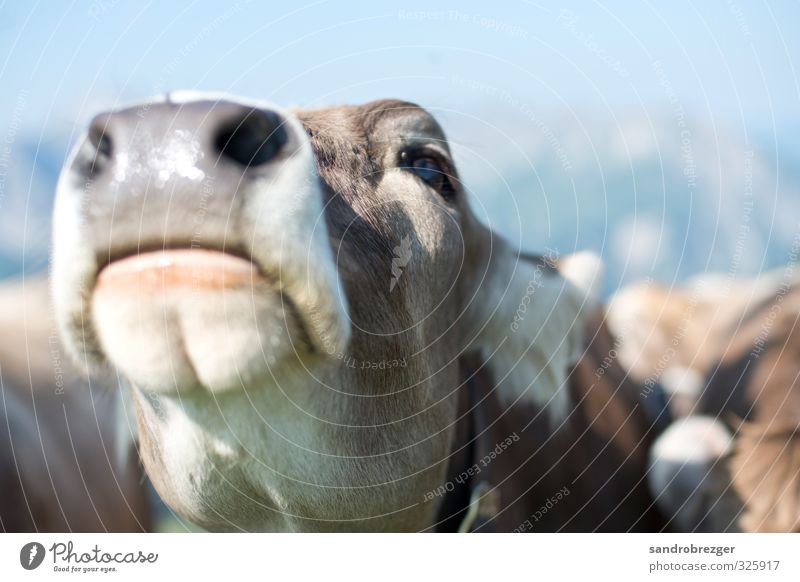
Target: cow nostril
(102, 146)
(101, 142)
(252, 140)
(96, 151)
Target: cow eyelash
(430, 168)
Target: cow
(320, 335)
(62, 468)
(728, 355)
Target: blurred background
(665, 137)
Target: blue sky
(613, 80)
(733, 62)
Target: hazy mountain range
(666, 197)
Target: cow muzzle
(191, 249)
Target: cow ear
(585, 271)
(528, 318)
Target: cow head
(289, 295)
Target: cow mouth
(194, 268)
(188, 317)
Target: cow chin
(177, 321)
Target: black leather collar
(471, 502)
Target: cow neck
(474, 502)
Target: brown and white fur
(299, 331)
(731, 461)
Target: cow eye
(431, 171)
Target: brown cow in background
(729, 355)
